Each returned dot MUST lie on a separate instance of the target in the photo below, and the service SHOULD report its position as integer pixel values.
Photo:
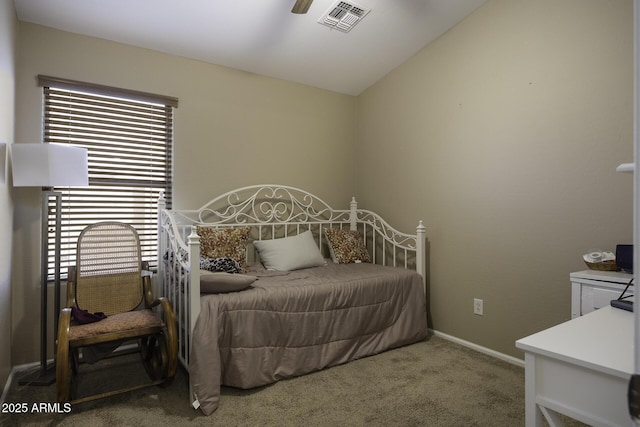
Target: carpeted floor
(431, 383)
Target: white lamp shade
(49, 165)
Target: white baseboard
(11, 377)
(481, 349)
(7, 385)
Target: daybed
(307, 287)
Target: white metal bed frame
(269, 210)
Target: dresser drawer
(595, 297)
(591, 290)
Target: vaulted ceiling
(263, 36)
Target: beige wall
(504, 136)
(8, 34)
(232, 129)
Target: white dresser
(593, 289)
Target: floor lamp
(48, 166)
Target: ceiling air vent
(343, 16)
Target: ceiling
(263, 36)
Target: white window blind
(129, 137)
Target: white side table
(580, 368)
(593, 289)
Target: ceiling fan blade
(301, 6)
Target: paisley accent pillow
(224, 243)
(346, 246)
(227, 265)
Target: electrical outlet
(478, 306)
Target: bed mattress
(292, 323)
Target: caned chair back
(108, 268)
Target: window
(128, 136)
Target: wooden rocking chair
(110, 278)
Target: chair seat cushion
(127, 323)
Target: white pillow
(290, 253)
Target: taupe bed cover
(293, 323)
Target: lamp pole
(46, 375)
